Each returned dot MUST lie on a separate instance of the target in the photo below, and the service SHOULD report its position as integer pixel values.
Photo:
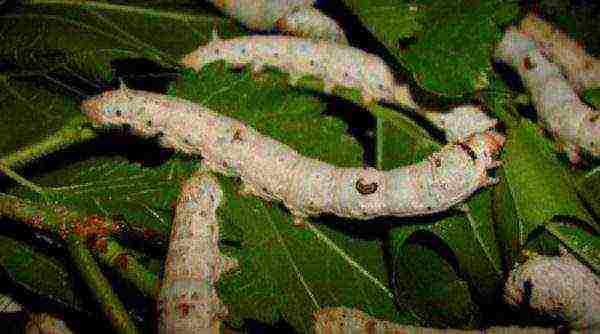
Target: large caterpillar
(336, 65)
(188, 301)
(307, 187)
(582, 70)
(575, 125)
(296, 17)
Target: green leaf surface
(535, 188)
(38, 273)
(454, 40)
(584, 244)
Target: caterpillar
(572, 123)
(343, 320)
(336, 65)
(557, 286)
(296, 17)
(582, 70)
(306, 186)
(188, 301)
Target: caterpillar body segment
(307, 187)
(581, 69)
(461, 122)
(260, 14)
(311, 23)
(335, 64)
(573, 124)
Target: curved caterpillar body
(461, 122)
(188, 301)
(307, 187)
(335, 64)
(574, 125)
(582, 70)
(296, 17)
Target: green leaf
(534, 188)
(584, 244)
(38, 273)
(452, 52)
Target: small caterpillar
(574, 125)
(296, 17)
(307, 187)
(582, 70)
(188, 301)
(335, 64)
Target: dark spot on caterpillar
(365, 189)
(275, 54)
(312, 62)
(237, 135)
(216, 51)
(594, 117)
(528, 64)
(148, 123)
(345, 74)
(436, 161)
(468, 150)
(118, 112)
(225, 164)
(428, 208)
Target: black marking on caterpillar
(467, 149)
(365, 189)
(307, 187)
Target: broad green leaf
(454, 41)
(38, 273)
(584, 244)
(535, 188)
(588, 187)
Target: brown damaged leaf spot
(122, 261)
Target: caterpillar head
(205, 54)
(110, 108)
(485, 146)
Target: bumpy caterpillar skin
(559, 287)
(575, 125)
(582, 70)
(342, 320)
(461, 122)
(188, 301)
(307, 187)
(335, 64)
(311, 23)
(295, 17)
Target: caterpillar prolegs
(336, 65)
(307, 187)
(575, 125)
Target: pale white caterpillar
(44, 323)
(307, 187)
(311, 23)
(581, 69)
(575, 125)
(188, 301)
(343, 320)
(296, 17)
(461, 122)
(336, 65)
(559, 287)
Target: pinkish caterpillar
(336, 65)
(582, 70)
(560, 287)
(188, 301)
(307, 187)
(574, 125)
(296, 17)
